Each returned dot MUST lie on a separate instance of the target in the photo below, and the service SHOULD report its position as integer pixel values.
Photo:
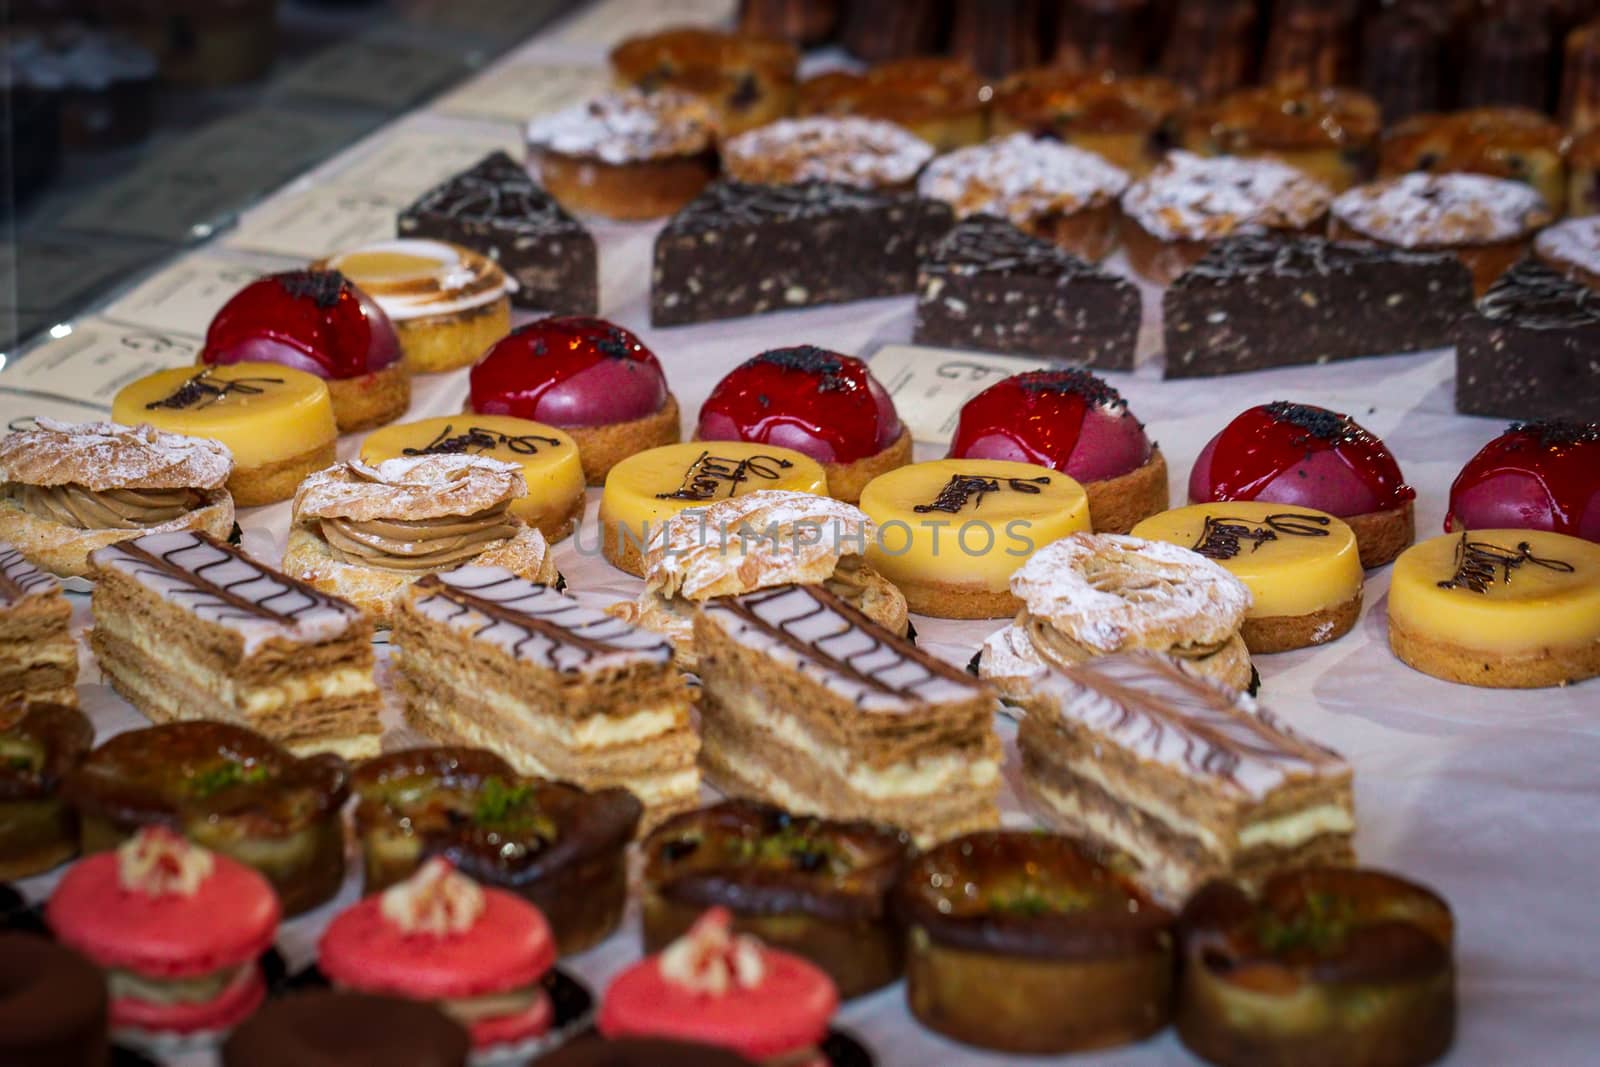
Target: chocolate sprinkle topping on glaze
(1096, 391)
(1559, 431)
(1480, 564)
(807, 359)
(1223, 538)
(1318, 422)
(324, 287)
(1534, 297)
(960, 490)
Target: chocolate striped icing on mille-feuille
(1188, 778)
(811, 705)
(556, 688)
(38, 657)
(187, 627)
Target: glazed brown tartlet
(1125, 120)
(1324, 968)
(938, 99)
(1330, 134)
(1502, 142)
(228, 789)
(559, 846)
(745, 79)
(814, 887)
(39, 744)
(1023, 942)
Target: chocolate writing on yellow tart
(710, 476)
(480, 439)
(1224, 538)
(203, 390)
(1481, 564)
(963, 489)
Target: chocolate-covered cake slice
(741, 249)
(1531, 350)
(989, 286)
(1257, 301)
(809, 704)
(1189, 779)
(497, 209)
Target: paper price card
(320, 222)
(929, 385)
(92, 360)
(183, 298)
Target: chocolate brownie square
(1531, 350)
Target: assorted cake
(1329, 133)
(1503, 142)
(845, 149)
(808, 704)
(940, 99)
(38, 653)
(745, 80)
(66, 490)
(1123, 119)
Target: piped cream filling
(197, 989)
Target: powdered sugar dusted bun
(1111, 592)
(1022, 178)
(102, 455)
(1442, 210)
(752, 542)
(845, 149)
(626, 126)
(1202, 198)
(409, 488)
(1572, 245)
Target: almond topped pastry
(366, 533)
(745, 79)
(66, 490)
(1502, 142)
(1119, 118)
(941, 100)
(1090, 595)
(845, 149)
(1328, 133)
(758, 541)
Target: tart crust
(602, 447)
(1117, 504)
(273, 482)
(65, 550)
(846, 480)
(434, 343)
(1494, 670)
(1284, 633)
(628, 192)
(370, 400)
(1383, 535)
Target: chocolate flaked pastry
(1224, 538)
(1481, 564)
(711, 476)
(964, 489)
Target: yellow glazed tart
(1504, 609)
(951, 532)
(448, 304)
(1301, 566)
(548, 457)
(649, 487)
(277, 421)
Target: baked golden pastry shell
(1383, 535)
(435, 343)
(628, 192)
(1540, 669)
(64, 550)
(370, 400)
(1116, 504)
(1284, 633)
(274, 482)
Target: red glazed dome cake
(819, 403)
(1305, 456)
(1535, 476)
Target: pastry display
(1506, 609)
(1502, 142)
(1321, 967)
(556, 689)
(38, 654)
(228, 789)
(1073, 422)
(1535, 476)
(318, 322)
(548, 458)
(592, 1050)
(1487, 222)
(725, 989)
(644, 491)
(952, 531)
(66, 490)
(1189, 779)
(1310, 44)
(1572, 247)
(447, 303)
(1258, 301)
(875, 33)
(986, 285)
(1300, 455)
(1531, 349)
(1105, 37)
(845, 149)
(808, 704)
(1092, 595)
(186, 627)
(1021, 942)
(1211, 46)
(1302, 566)
(1329, 133)
(325, 1028)
(802, 22)
(592, 378)
(554, 844)
(496, 208)
(1064, 194)
(276, 421)
(813, 887)
(1179, 211)
(822, 404)
(746, 80)
(475, 953)
(997, 36)
(1504, 60)
(1122, 119)
(39, 744)
(177, 929)
(365, 534)
(1404, 50)
(941, 100)
(756, 541)
(54, 1005)
(625, 155)
(742, 249)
